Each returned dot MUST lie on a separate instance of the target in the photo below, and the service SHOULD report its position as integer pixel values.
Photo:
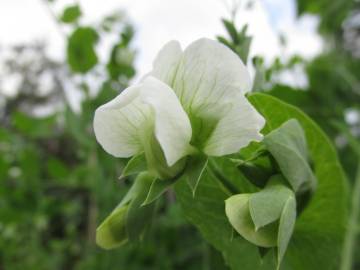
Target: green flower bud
(112, 232)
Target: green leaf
(157, 188)
(225, 42)
(267, 205)
(71, 14)
(260, 75)
(258, 171)
(319, 231)
(195, 167)
(236, 178)
(122, 56)
(237, 211)
(286, 227)
(288, 146)
(243, 49)
(81, 55)
(135, 165)
(231, 29)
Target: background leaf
(71, 14)
(81, 54)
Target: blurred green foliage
(81, 54)
(71, 14)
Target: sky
(158, 21)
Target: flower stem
(349, 244)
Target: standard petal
(167, 62)
(240, 125)
(172, 125)
(117, 123)
(208, 73)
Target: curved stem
(349, 244)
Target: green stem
(349, 244)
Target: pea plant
(255, 175)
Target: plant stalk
(352, 230)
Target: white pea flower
(192, 100)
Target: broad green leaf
(81, 55)
(319, 231)
(237, 211)
(135, 165)
(157, 188)
(195, 167)
(267, 205)
(71, 14)
(288, 146)
(286, 227)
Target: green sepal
(195, 167)
(135, 165)
(157, 188)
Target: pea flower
(193, 101)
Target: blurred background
(60, 60)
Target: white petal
(117, 123)
(209, 72)
(123, 125)
(166, 62)
(240, 125)
(172, 125)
